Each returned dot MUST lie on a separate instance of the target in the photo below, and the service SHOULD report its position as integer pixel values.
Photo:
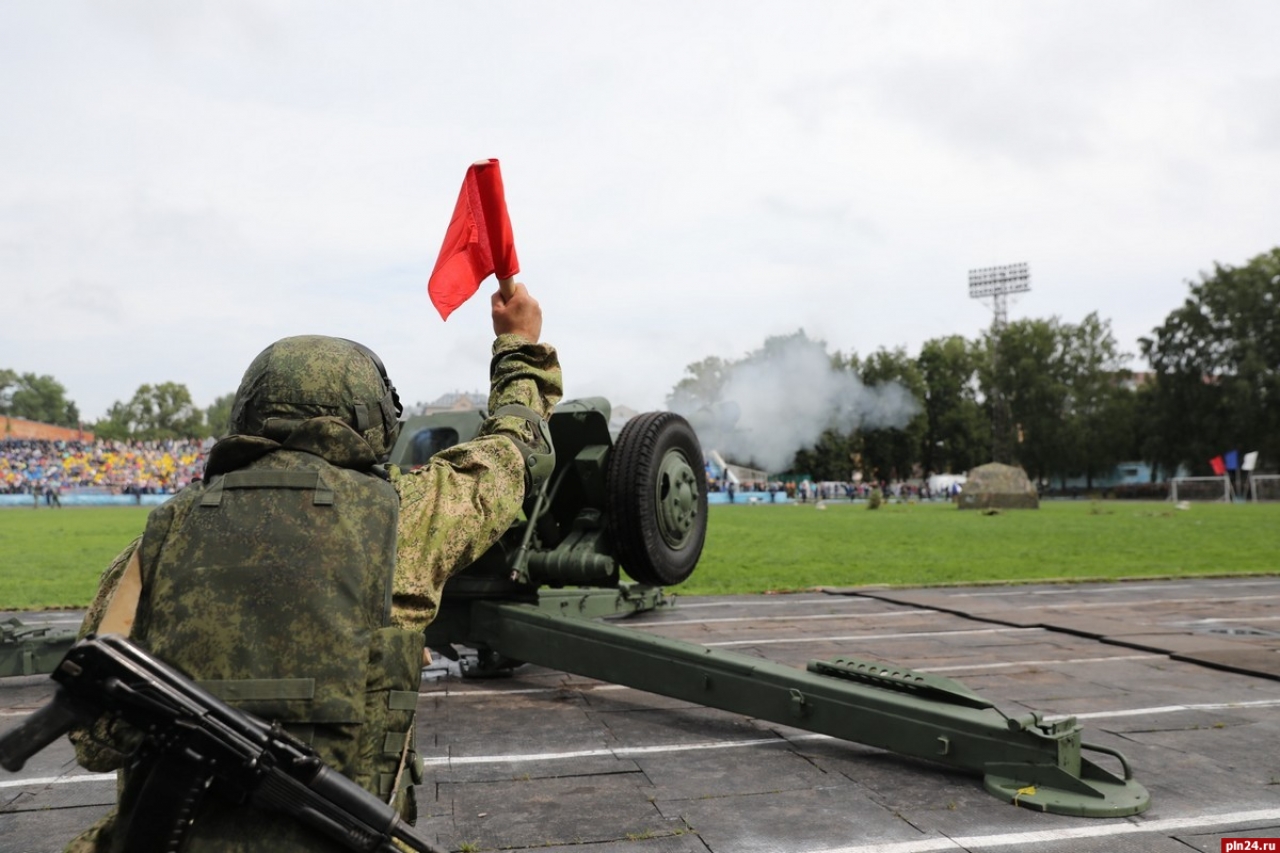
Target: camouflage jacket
(451, 510)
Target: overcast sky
(182, 183)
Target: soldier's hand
(520, 314)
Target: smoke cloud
(780, 400)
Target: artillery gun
(32, 649)
(639, 504)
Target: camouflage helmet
(312, 376)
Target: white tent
(945, 483)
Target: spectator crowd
(805, 491)
(48, 468)
(38, 467)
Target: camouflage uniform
(451, 510)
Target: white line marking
(863, 637)
(1022, 839)
(1174, 709)
(774, 601)
(665, 622)
(924, 845)
(58, 780)
(617, 752)
(1240, 619)
(582, 688)
(1018, 663)
(1217, 602)
(1110, 589)
(1130, 827)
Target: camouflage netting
(997, 486)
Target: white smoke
(786, 395)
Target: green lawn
(754, 548)
(52, 558)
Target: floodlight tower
(996, 283)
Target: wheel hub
(677, 496)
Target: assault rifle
(201, 743)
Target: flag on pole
(1219, 467)
(478, 241)
(1250, 461)
(1232, 460)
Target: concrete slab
(30, 832)
(571, 811)
(814, 819)
(1248, 661)
(552, 761)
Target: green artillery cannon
(31, 649)
(640, 504)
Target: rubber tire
(633, 501)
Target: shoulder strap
(269, 479)
(123, 607)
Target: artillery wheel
(656, 498)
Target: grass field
(52, 558)
(757, 548)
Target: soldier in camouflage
(318, 408)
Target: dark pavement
(1182, 676)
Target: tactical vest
(271, 587)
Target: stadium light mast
(996, 283)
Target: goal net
(1200, 489)
(1264, 487)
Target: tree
(8, 381)
(218, 416)
(37, 398)
(957, 434)
(1099, 407)
(1029, 373)
(892, 452)
(701, 387)
(1155, 441)
(1216, 361)
(830, 457)
(789, 395)
(155, 412)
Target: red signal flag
(477, 243)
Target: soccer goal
(1264, 487)
(1200, 489)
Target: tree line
(1074, 409)
(155, 411)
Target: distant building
(23, 428)
(458, 401)
(1130, 473)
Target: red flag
(478, 242)
(1218, 465)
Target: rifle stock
(55, 719)
(198, 734)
